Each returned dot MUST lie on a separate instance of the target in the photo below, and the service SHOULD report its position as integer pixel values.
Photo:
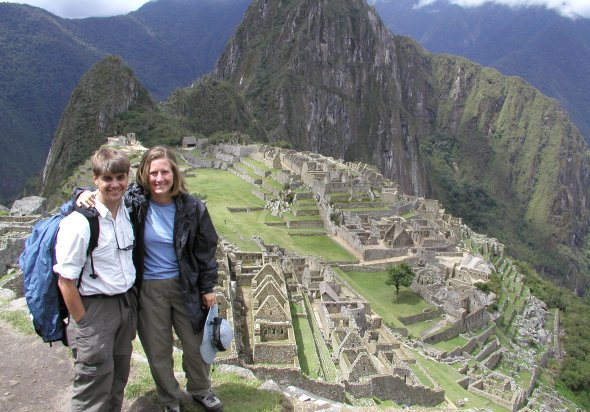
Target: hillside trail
(37, 377)
(33, 375)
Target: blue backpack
(43, 296)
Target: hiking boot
(171, 408)
(209, 401)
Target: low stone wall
(488, 350)
(302, 196)
(306, 212)
(244, 209)
(359, 205)
(10, 250)
(472, 321)
(493, 360)
(285, 177)
(264, 352)
(246, 177)
(266, 185)
(427, 314)
(473, 342)
(443, 335)
(14, 283)
(496, 399)
(263, 195)
(238, 150)
(305, 224)
(394, 388)
(294, 377)
(361, 268)
(379, 254)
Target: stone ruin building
(379, 224)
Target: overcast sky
(568, 8)
(84, 8)
(88, 8)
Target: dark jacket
(195, 243)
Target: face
(160, 178)
(111, 187)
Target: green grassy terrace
(225, 190)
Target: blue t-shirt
(160, 259)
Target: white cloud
(85, 8)
(567, 8)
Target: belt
(103, 296)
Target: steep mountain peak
(329, 77)
(107, 89)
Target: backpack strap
(94, 232)
(92, 216)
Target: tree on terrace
(400, 275)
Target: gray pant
(162, 309)
(101, 346)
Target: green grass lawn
(371, 285)
(417, 329)
(224, 190)
(306, 350)
(328, 366)
(255, 163)
(451, 344)
(447, 377)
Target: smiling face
(111, 188)
(161, 179)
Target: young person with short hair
(175, 260)
(98, 289)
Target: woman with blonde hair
(175, 260)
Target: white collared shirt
(114, 267)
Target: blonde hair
(107, 160)
(143, 172)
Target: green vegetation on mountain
(108, 89)
(493, 149)
(168, 43)
(547, 49)
(574, 372)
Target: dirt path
(33, 375)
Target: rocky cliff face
(107, 89)
(329, 77)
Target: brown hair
(107, 160)
(160, 152)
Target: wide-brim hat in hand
(217, 335)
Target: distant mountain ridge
(169, 43)
(549, 51)
(492, 148)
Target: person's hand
(209, 299)
(86, 199)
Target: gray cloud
(567, 8)
(85, 8)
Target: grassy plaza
(225, 190)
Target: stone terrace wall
(427, 314)
(378, 254)
(488, 350)
(305, 224)
(272, 352)
(290, 376)
(473, 342)
(395, 389)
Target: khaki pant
(162, 309)
(101, 346)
